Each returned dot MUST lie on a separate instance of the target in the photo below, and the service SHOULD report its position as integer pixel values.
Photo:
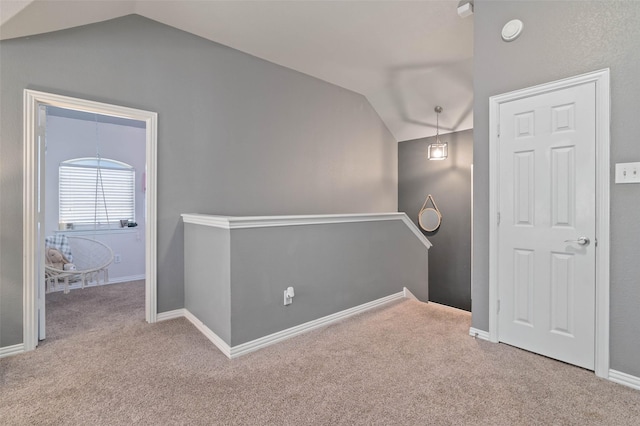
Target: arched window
(96, 191)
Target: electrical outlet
(117, 258)
(627, 172)
(288, 296)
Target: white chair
(91, 259)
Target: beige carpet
(407, 363)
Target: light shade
(437, 151)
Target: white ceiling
(406, 57)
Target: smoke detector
(512, 30)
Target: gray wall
(207, 276)
(237, 135)
(562, 39)
(332, 267)
(449, 181)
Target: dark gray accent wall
(236, 135)
(449, 182)
(562, 39)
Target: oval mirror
(429, 219)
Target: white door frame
(601, 80)
(32, 100)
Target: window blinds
(89, 195)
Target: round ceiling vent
(512, 30)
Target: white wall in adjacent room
(69, 138)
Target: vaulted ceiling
(406, 57)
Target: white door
(547, 224)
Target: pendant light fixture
(437, 150)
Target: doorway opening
(94, 219)
(37, 192)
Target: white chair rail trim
(244, 222)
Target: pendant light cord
(438, 110)
(99, 181)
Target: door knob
(583, 241)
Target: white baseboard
(480, 334)
(615, 376)
(176, 313)
(407, 294)
(262, 342)
(11, 350)
(77, 285)
(209, 334)
(126, 279)
(245, 348)
(624, 379)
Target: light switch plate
(627, 172)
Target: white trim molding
(33, 100)
(262, 342)
(408, 295)
(624, 379)
(11, 350)
(169, 315)
(126, 279)
(119, 280)
(601, 80)
(209, 334)
(265, 341)
(243, 222)
(478, 334)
